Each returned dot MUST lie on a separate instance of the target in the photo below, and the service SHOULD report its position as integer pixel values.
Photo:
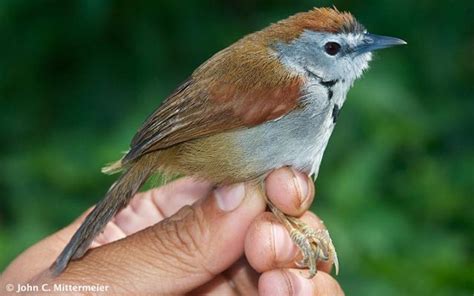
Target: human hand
(161, 247)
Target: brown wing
(234, 89)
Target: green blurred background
(77, 78)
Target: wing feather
(234, 89)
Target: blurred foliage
(77, 78)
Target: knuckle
(183, 237)
(187, 233)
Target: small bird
(269, 100)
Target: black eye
(332, 48)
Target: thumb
(181, 252)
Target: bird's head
(326, 43)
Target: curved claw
(313, 244)
(336, 262)
(306, 248)
(322, 242)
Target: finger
(150, 207)
(38, 257)
(294, 282)
(243, 277)
(217, 286)
(290, 191)
(175, 195)
(239, 279)
(268, 244)
(191, 247)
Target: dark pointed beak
(373, 42)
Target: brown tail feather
(118, 197)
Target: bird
(269, 100)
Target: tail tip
(57, 267)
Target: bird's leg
(314, 244)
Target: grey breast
(297, 139)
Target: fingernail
(300, 181)
(284, 246)
(301, 285)
(230, 197)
